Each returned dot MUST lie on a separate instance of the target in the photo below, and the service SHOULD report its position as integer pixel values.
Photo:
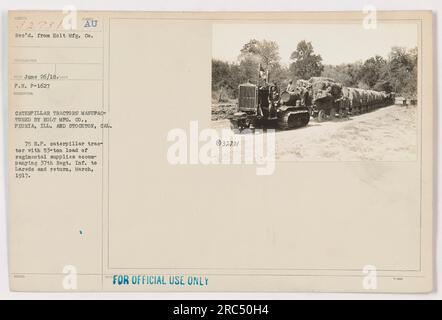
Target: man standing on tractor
(290, 86)
(274, 90)
(273, 99)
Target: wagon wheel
(321, 116)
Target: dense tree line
(395, 73)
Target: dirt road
(388, 134)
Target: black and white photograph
(235, 154)
(340, 92)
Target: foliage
(348, 74)
(306, 63)
(395, 73)
(262, 52)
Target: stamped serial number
(242, 309)
(227, 143)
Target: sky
(336, 43)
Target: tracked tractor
(265, 106)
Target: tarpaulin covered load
(325, 89)
(360, 97)
(363, 96)
(382, 96)
(370, 97)
(301, 92)
(303, 83)
(356, 97)
(350, 95)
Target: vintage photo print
(331, 91)
(293, 152)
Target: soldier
(273, 99)
(274, 91)
(290, 86)
(304, 94)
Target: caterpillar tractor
(264, 106)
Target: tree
(248, 68)
(396, 73)
(371, 70)
(280, 75)
(401, 71)
(220, 74)
(225, 79)
(306, 63)
(383, 85)
(262, 52)
(347, 74)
